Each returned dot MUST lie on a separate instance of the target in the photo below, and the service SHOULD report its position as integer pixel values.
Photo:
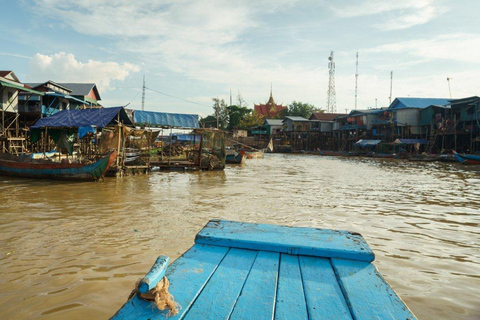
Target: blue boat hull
(467, 158)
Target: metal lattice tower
(356, 82)
(331, 96)
(143, 94)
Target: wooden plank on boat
(218, 298)
(322, 292)
(367, 293)
(187, 275)
(301, 241)
(291, 303)
(259, 292)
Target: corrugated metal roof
(81, 89)
(273, 122)
(66, 96)
(325, 116)
(417, 103)
(295, 118)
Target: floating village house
(405, 114)
(272, 126)
(296, 124)
(57, 97)
(323, 122)
(12, 138)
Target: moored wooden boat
(234, 157)
(257, 271)
(381, 155)
(45, 169)
(338, 153)
(467, 158)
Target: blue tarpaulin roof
(410, 141)
(367, 143)
(162, 119)
(100, 118)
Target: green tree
(301, 109)
(208, 122)
(236, 115)
(220, 112)
(251, 120)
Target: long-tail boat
(22, 166)
(466, 158)
(234, 157)
(338, 153)
(258, 271)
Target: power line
(168, 95)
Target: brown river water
(75, 250)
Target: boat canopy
(98, 117)
(166, 120)
(367, 143)
(410, 141)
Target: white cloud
(462, 47)
(63, 67)
(395, 15)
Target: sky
(191, 51)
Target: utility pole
(216, 111)
(331, 96)
(449, 91)
(356, 82)
(143, 94)
(391, 83)
(375, 103)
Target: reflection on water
(75, 250)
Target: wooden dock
(258, 271)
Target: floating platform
(258, 271)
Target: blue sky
(196, 50)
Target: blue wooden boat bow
(258, 271)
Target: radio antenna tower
(391, 84)
(143, 94)
(356, 82)
(331, 104)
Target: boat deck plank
(218, 298)
(322, 292)
(291, 303)
(260, 289)
(362, 284)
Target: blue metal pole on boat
(155, 274)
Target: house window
(10, 96)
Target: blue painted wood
(218, 298)
(323, 295)
(290, 302)
(219, 282)
(187, 275)
(155, 274)
(301, 241)
(367, 293)
(257, 299)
